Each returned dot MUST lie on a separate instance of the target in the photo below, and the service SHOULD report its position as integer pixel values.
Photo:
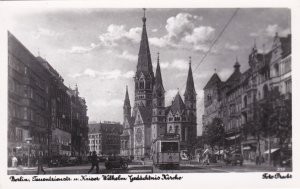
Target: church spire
(158, 78)
(190, 87)
(127, 101)
(144, 58)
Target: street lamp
(28, 140)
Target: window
(276, 70)
(19, 134)
(266, 91)
(177, 129)
(25, 113)
(171, 129)
(288, 86)
(141, 84)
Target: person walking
(94, 161)
(40, 165)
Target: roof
(146, 113)
(127, 101)
(190, 87)
(215, 79)
(177, 104)
(235, 76)
(286, 45)
(158, 84)
(144, 64)
(104, 127)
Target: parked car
(54, 162)
(71, 161)
(234, 159)
(116, 162)
(102, 158)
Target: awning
(247, 148)
(221, 152)
(233, 137)
(272, 150)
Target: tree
(271, 118)
(213, 134)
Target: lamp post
(28, 140)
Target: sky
(97, 49)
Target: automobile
(102, 158)
(54, 162)
(235, 159)
(71, 161)
(116, 162)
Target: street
(146, 168)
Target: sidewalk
(20, 168)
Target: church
(150, 117)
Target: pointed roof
(144, 64)
(190, 87)
(177, 104)
(158, 84)
(145, 113)
(235, 76)
(215, 79)
(127, 101)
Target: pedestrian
(94, 161)
(14, 161)
(40, 165)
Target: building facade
(150, 116)
(235, 100)
(39, 106)
(104, 137)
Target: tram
(166, 150)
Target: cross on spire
(190, 60)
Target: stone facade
(150, 117)
(233, 100)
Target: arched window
(171, 129)
(148, 85)
(177, 129)
(142, 85)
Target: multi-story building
(104, 137)
(39, 106)
(28, 111)
(79, 123)
(150, 117)
(234, 100)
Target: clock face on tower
(138, 135)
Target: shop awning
(247, 148)
(233, 137)
(272, 150)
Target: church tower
(158, 105)
(144, 77)
(190, 104)
(190, 96)
(126, 106)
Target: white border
(191, 180)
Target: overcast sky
(97, 48)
